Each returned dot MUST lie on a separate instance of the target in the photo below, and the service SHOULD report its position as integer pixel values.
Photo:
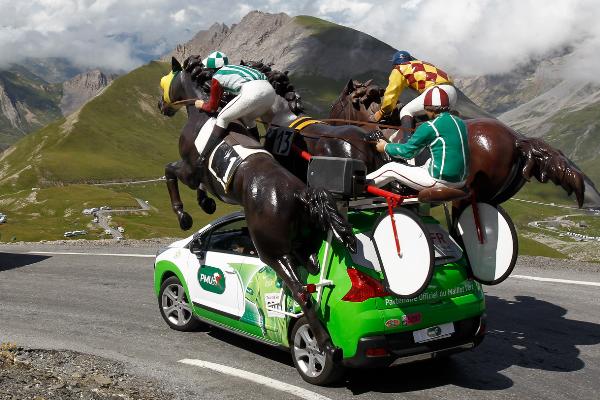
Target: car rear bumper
(401, 348)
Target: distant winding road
(104, 221)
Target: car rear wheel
(174, 306)
(313, 365)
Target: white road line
(73, 253)
(262, 380)
(567, 281)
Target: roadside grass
(521, 214)
(47, 213)
(546, 193)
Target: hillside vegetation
(118, 135)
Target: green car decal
(264, 292)
(211, 279)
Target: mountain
(52, 69)
(321, 55)
(539, 99)
(29, 102)
(118, 135)
(79, 89)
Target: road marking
(567, 281)
(73, 253)
(262, 380)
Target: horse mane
(279, 80)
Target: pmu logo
(211, 279)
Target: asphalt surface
(543, 340)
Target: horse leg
(172, 172)
(306, 254)
(286, 269)
(207, 204)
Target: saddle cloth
(228, 155)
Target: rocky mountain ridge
(79, 89)
(29, 102)
(542, 98)
(302, 44)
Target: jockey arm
(397, 84)
(423, 137)
(216, 92)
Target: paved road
(543, 341)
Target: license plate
(433, 333)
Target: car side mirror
(197, 246)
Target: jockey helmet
(436, 97)
(215, 60)
(401, 57)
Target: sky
(468, 37)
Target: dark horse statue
(502, 160)
(278, 206)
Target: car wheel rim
(309, 358)
(175, 306)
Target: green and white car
(216, 277)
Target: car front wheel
(174, 306)
(313, 365)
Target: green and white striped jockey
(446, 137)
(232, 77)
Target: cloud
(467, 37)
(482, 36)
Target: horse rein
(184, 102)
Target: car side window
(233, 238)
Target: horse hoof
(335, 353)
(185, 221)
(312, 264)
(208, 205)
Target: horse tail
(544, 162)
(323, 214)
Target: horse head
(181, 85)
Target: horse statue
(502, 160)
(278, 206)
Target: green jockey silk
(446, 137)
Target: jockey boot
(407, 127)
(253, 133)
(215, 138)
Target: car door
(216, 284)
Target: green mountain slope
(118, 135)
(578, 134)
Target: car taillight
(363, 287)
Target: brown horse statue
(278, 206)
(502, 160)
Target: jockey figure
(254, 97)
(446, 138)
(419, 75)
